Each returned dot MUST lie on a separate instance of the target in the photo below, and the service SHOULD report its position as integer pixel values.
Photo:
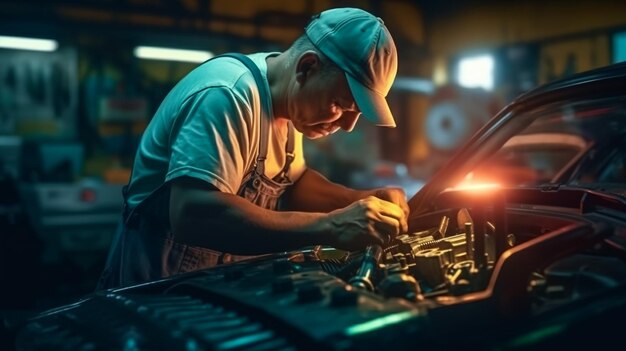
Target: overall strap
(282, 175)
(266, 112)
(264, 95)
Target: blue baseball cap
(360, 45)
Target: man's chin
(312, 135)
(317, 133)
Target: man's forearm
(314, 193)
(229, 223)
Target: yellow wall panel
(567, 57)
(500, 24)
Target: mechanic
(219, 174)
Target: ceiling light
(28, 43)
(168, 54)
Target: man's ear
(308, 64)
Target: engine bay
(478, 264)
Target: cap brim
(373, 106)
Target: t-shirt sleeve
(211, 139)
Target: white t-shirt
(208, 127)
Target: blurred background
(79, 81)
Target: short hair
(302, 44)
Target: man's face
(320, 103)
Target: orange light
(481, 183)
(477, 187)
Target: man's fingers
(397, 197)
(393, 211)
(406, 209)
(388, 226)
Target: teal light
(619, 47)
(131, 344)
(245, 340)
(536, 336)
(379, 323)
(192, 345)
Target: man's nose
(348, 120)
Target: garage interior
(71, 116)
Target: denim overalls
(144, 248)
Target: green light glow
(537, 335)
(379, 323)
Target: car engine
(476, 274)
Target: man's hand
(367, 221)
(398, 197)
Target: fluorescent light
(167, 54)
(28, 43)
(476, 71)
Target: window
(476, 72)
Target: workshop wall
(551, 23)
(533, 42)
(102, 37)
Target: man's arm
(205, 217)
(315, 193)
